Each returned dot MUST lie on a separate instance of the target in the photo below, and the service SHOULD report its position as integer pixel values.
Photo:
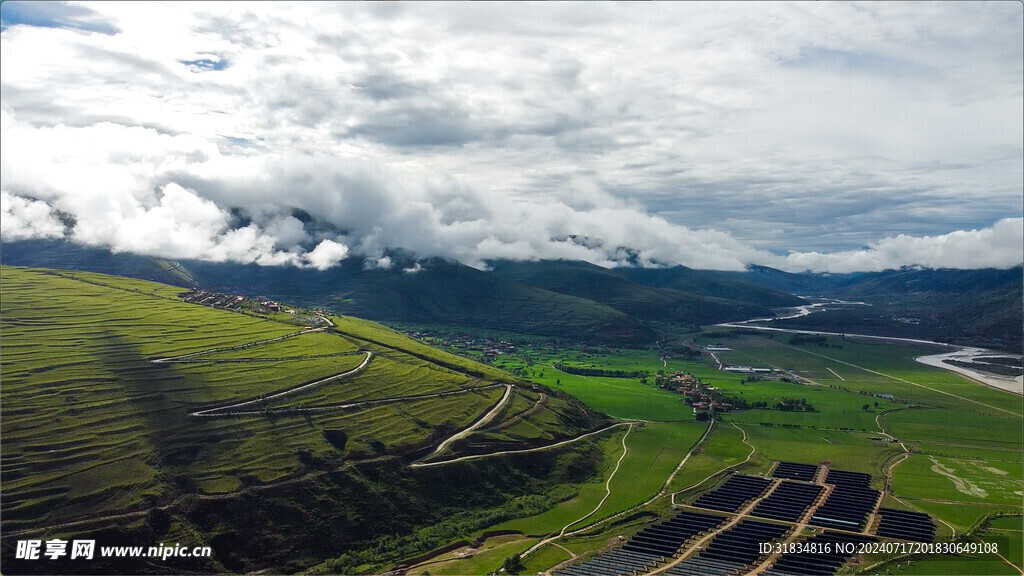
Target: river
(959, 353)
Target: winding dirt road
(232, 409)
(486, 418)
(607, 493)
(523, 451)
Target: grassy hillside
(440, 292)
(96, 429)
(580, 302)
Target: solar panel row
(734, 494)
(795, 471)
(788, 501)
(905, 525)
(647, 548)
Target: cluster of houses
(230, 301)
(490, 348)
(214, 299)
(270, 305)
(701, 397)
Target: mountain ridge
(579, 301)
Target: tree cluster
(786, 405)
(581, 371)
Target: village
(705, 400)
(259, 305)
(489, 348)
(232, 301)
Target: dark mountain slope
(893, 283)
(725, 285)
(442, 292)
(982, 307)
(609, 287)
(68, 256)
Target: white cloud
(1001, 246)
(327, 254)
(26, 219)
(382, 263)
(710, 138)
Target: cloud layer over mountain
(826, 137)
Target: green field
(92, 426)
(974, 432)
(723, 450)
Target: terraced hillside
(131, 416)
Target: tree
(513, 564)
(865, 407)
(876, 404)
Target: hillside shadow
(150, 389)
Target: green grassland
(982, 565)
(483, 560)
(92, 426)
(655, 450)
(723, 449)
(972, 429)
(617, 397)
(587, 497)
(1007, 523)
(545, 558)
(530, 419)
(928, 477)
(304, 345)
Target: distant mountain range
(582, 302)
(982, 307)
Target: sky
(824, 136)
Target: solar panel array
(841, 546)
(734, 494)
(846, 478)
(616, 562)
(705, 567)
(731, 551)
(849, 503)
(736, 550)
(795, 471)
(788, 501)
(649, 547)
(905, 525)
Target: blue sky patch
(205, 64)
(55, 15)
